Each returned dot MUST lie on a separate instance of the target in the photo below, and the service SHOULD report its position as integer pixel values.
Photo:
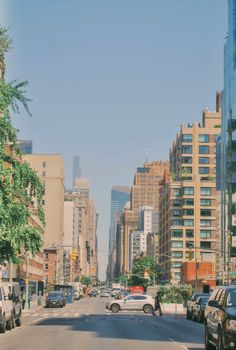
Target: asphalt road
(87, 325)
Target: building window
(176, 265)
(44, 173)
(189, 233)
(189, 201)
(187, 149)
(205, 191)
(187, 255)
(177, 222)
(189, 244)
(176, 192)
(205, 233)
(44, 164)
(46, 256)
(205, 222)
(189, 212)
(203, 170)
(176, 213)
(187, 160)
(188, 190)
(203, 149)
(177, 244)
(187, 137)
(177, 255)
(46, 267)
(177, 233)
(203, 138)
(188, 222)
(205, 202)
(176, 203)
(205, 245)
(203, 160)
(205, 212)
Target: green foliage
(21, 190)
(175, 294)
(86, 280)
(145, 272)
(5, 43)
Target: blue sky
(109, 78)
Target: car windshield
(204, 300)
(54, 295)
(231, 298)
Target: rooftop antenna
(147, 154)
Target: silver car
(137, 302)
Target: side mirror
(214, 303)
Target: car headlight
(231, 325)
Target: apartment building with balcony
(188, 199)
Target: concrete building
(50, 168)
(137, 244)
(144, 192)
(188, 199)
(152, 240)
(77, 171)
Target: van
(13, 290)
(6, 310)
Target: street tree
(21, 190)
(145, 271)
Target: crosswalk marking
(35, 315)
(66, 314)
(76, 314)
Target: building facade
(188, 200)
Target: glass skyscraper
(228, 140)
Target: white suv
(6, 310)
(138, 302)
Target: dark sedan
(55, 299)
(92, 293)
(198, 310)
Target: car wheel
(18, 322)
(219, 345)
(147, 309)
(115, 308)
(3, 326)
(9, 324)
(208, 345)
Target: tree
(21, 190)
(145, 271)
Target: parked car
(198, 310)
(191, 302)
(92, 293)
(104, 293)
(55, 299)
(220, 318)
(6, 310)
(139, 302)
(14, 293)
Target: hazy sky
(110, 77)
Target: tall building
(77, 171)
(144, 192)
(188, 199)
(26, 146)
(228, 143)
(50, 168)
(120, 195)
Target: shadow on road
(136, 327)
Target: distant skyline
(108, 78)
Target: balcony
(231, 124)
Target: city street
(87, 325)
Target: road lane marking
(54, 315)
(76, 314)
(39, 319)
(35, 315)
(178, 343)
(45, 315)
